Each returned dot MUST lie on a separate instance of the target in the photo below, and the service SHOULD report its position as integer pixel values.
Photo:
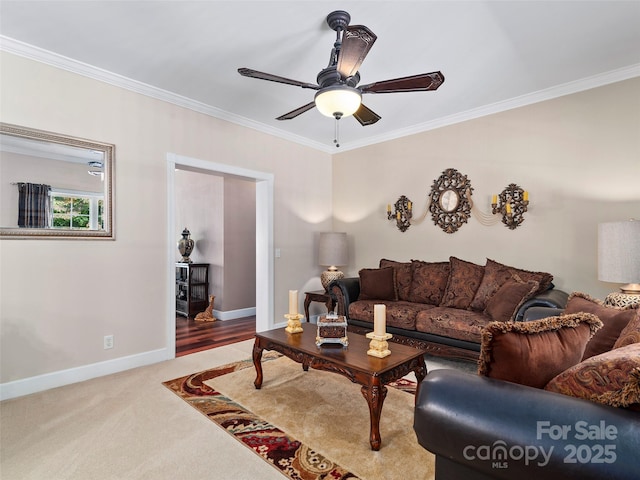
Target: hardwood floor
(192, 336)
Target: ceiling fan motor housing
(338, 20)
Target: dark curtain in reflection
(34, 205)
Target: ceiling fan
(338, 94)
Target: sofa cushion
(403, 276)
(399, 314)
(614, 320)
(428, 281)
(378, 284)
(504, 304)
(612, 378)
(532, 353)
(453, 323)
(631, 333)
(464, 280)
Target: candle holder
(403, 211)
(293, 323)
(378, 347)
(511, 204)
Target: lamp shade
(332, 249)
(338, 101)
(619, 252)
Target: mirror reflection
(54, 186)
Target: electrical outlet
(108, 341)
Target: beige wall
(58, 298)
(578, 156)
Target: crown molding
(22, 49)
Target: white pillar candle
(293, 302)
(379, 320)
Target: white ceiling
(495, 55)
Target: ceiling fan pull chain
(336, 135)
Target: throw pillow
(495, 275)
(532, 353)
(378, 284)
(631, 333)
(429, 281)
(612, 378)
(403, 276)
(504, 304)
(464, 280)
(614, 320)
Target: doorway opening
(263, 233)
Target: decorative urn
(185, 246)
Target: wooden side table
(317, 296)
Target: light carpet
(327, 414)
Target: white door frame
(264, 239)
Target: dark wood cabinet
(192, 288)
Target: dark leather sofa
(482, 428)
(347, 290)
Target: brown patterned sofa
(556, 397)
(443, 306)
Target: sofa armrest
(495, 429)
(551, 298)
(344, 291)
(537, 313)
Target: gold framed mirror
(55, 186)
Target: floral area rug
(292, 457)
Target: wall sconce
(511, 204)
(402, 213)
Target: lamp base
(622, 300)
(632, 288)
(329, 276)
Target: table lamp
(332, 252)
(619, 259)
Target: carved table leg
(375, 395)
(257, 362)
(421, 372)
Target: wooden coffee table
(352, 362)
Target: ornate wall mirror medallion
(54, 186)
(449, 200)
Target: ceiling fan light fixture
(338, 101)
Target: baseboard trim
(233, 314)
(27, 386)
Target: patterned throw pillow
(429, 281)
(378, 284)
(403, 276)
(631, 333)
(612, 378)
(532, 353)
(614, 320)
(496, 274)
(464, 280)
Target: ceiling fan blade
(297, 111)
(357, 40)
(366, 116)
(247, 72)
(414, 83)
